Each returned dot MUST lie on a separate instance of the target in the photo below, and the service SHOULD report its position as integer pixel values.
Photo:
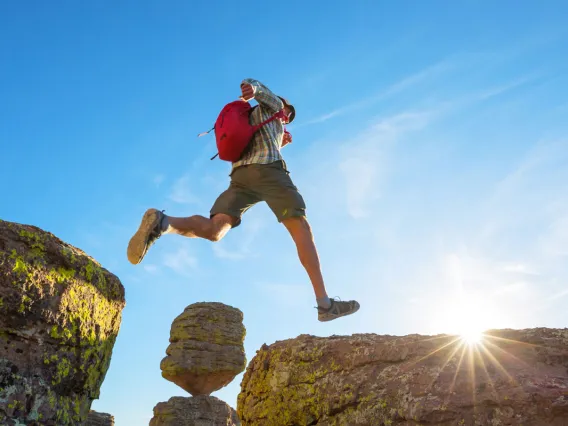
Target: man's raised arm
(252, 88)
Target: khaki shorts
(254, 183)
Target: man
(259, 175)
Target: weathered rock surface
(206, 349)
(99, 419)
(195, 411)
(515, 377)
(60, 313)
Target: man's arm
(261, 94)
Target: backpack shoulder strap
(279, 114)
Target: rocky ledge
(512, 377)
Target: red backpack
(233, 131)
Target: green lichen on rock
(298, 401)
(36, 241)
(388, 380)
(70, 254)
(209, 322)
(54, 293)
(195, 411)
(99, 419)
(20, 266)
(206, 350)
(61, 274)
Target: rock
(99, 419)
(206, 352)
(60, 313)
(514, 377)
(196, 411)
(206, 349)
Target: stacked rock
(99, 419)
(206, 353)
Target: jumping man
(259, 175)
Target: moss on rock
(63, 310)
(206, 350)
(386, 380)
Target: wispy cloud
(426, 79)
(554, 240)
(286, 294)
(520, 268)
(360, 176)
(364, 160)
(397, 87)
(182, 192)
(243, 248)
(506, 276)
(498, 90)
(528, 192)
(223, 252)
(497, 255)
(559, 295)
(181, 261)
(150, 268)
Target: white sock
(324, 302)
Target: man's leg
(225, 214)
(283, 198)
(213, 229)
(328, 309)
(155, 223)
(301, 233)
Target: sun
(470, 328)
(472, 336)
(467, 318)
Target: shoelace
(156, 232)
(332, 299)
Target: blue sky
(430, 145)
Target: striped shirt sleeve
(264, 96)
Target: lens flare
(472, 336)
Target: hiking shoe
(148, 232)
(337, 309)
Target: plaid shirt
(265, 145)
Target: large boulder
(99, 419)
(195, 411)
(60, 314)
(206, 349)
(513, 377)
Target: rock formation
(206, 352)
(197, 411)
(99, 419)
(60, 314)
(206, 348)
(512, 377)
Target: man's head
(288, 109)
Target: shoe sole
(137, 244)
(331, 318)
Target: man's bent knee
(220, 224)
(216, 237)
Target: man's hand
(286, 139)
(247, 91)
